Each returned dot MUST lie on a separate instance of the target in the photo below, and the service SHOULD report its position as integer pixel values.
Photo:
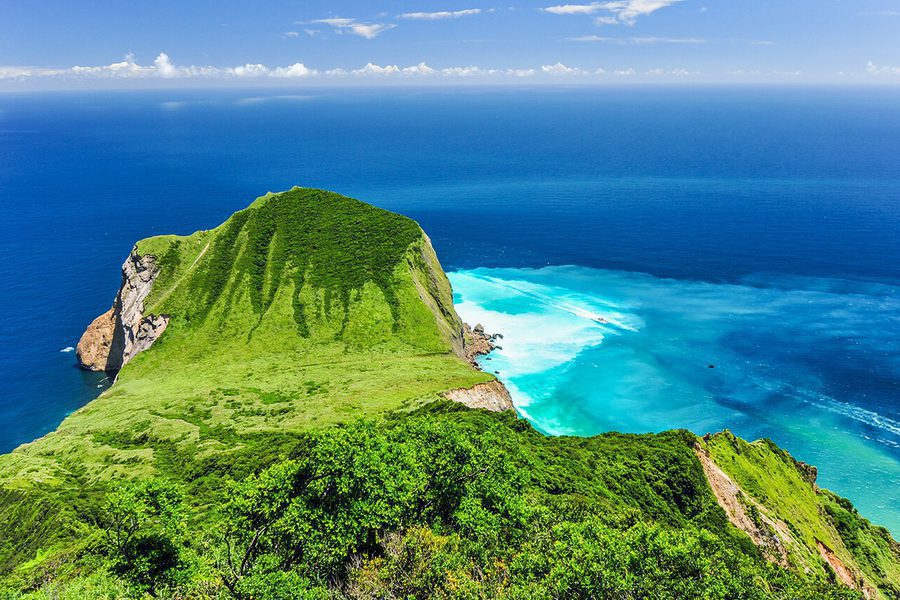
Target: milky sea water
(655, 258)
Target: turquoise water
(587, 350)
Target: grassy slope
(771, 477)
(304, 310)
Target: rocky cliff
(492, 395)
(119, 334)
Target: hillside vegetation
(287, 437)
(303, 310)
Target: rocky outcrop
(477, 343)
(492, 395)
(842, 572)
(97, 339)
(743, 512)
(118, 335)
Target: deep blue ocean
(655, 257)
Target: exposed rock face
(744, 513)
(93, 348)
(476, 343)
(492, 395)
(118, 335)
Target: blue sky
(126, 43)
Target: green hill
(284, 433)
(303, 310)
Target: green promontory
(304, 310)
(281, 429)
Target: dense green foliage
(443, 502)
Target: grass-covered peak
(319, 250)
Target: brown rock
(93, 347)
(744, 513)
(118, 335)
(492, 395)
(476, 343)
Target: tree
(144, 527)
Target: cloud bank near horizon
(164, 69)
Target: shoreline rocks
(95, 343)
(477, 343)
(122, 332)
(491, 395)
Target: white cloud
(441, 14)
(369, 30)
(126, 68)
(388, 70)
(423, 69)
(627, 11)
(354, 27)
(419, 69)
(291, 34)
(295, 70)
(373, 69)
(164, 66)
(672, 72)
(16, 72)
(251, 70)
(470, 71)
(561, 69)
(623, 11)
(874, 69)
(336, 22)
(574, 9)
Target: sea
(654, 257)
